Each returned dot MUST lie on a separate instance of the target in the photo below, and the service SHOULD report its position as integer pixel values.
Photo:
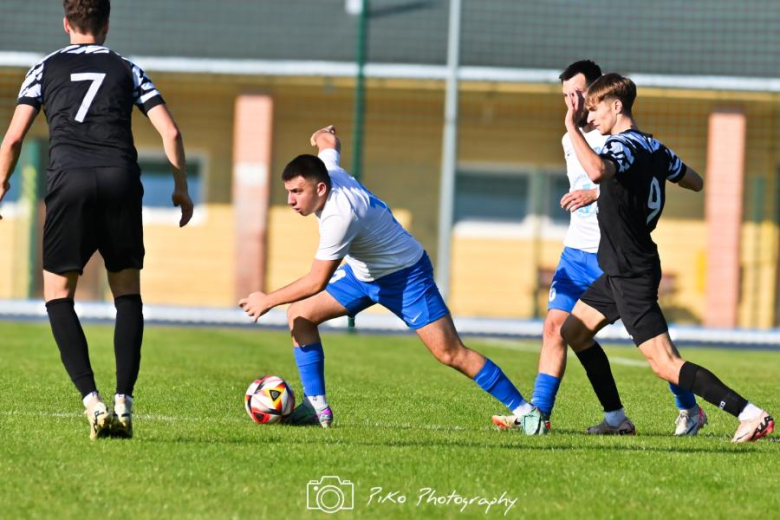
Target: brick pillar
(251, 178)
(723, 210)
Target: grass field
(403, 423)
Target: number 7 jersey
(88, 92)
(631, 202)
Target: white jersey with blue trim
(358, 226)
(583, 232)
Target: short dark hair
(612, 85)
(310, 167)
(587, 68)
(87, 16)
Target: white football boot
(754, 429)
(98, 417)
(690, 422)
(122, 418)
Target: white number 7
(97, 80)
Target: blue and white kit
(384, 263)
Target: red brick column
(723, 210)
(252, 138)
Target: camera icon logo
(330, 494)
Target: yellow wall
(192, 265)
(189, 266)
(402, 155)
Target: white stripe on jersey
(149, 95)
(33, 91)
(33, 79)
(89, 49)
(142, 83)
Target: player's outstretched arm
(597, 168)
(258, 303)
(691, 180)
(325, 139)
(163, 122)
(11, 148)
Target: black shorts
(632, 299)
(93, 209)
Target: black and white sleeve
(677, 168)
(31, 93)
(620, 152)
(145, 94)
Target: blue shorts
(411, 293)
(576, 271)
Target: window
(16, 187)
(557, 187)
(10, 207)
(157, 178)
(491, 197)
(492, 201)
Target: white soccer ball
(269, 399)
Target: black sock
(596, 365)
(68, 334)
(706, 385)
(128, 336)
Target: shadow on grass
(520, 443)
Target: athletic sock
(706, 385)
(493, 381)
(70, 339)
(318, 402)
(90, 398)
(685, 399)
(615, 418)
(750, 412)
(545, 391)
(128, 336)
(594, 361)
(128, 398)
(311, 365)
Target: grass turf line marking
(526, 347)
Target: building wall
(188, 266)
(519, 127)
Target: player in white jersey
(577, 270)
(384, 265)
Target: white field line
(525, 346)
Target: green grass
(403, 422)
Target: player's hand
(577, 199)
(255, 305)
(330, 129)
(573, 106)
(181, 198)
(4, 188)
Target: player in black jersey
(632, 170)
(94, 193)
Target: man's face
(305, 196)
(603, 116)
(577, 86)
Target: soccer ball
(269, 399)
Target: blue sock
(545, 390)
(311, 365)
(685, 399)
(493, 381)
